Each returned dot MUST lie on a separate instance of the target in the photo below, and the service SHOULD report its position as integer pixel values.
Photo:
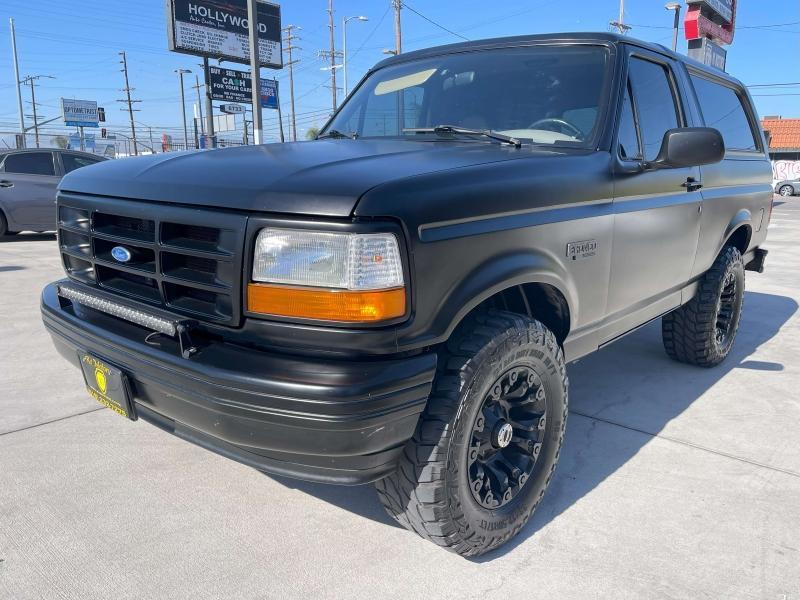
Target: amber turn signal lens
(326, 304)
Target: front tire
(702, 331)
(486, 446)
(786, 190)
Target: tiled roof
(785, 133)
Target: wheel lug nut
(537, 448)
(473, 454)
(479, 423)
(507, 496)
(542, 423)
(477, 486)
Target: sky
(78, 44)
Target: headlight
(346, 277)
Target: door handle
(692, 185)
(6, 183)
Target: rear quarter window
(723, 109)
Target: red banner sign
(700, 23)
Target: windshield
(542, 94)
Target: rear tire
(465, 481)
(702, 331)
(786, 190)
(3, 226)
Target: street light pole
(180, 73)
(344, 47)
(676, 26)
(18, 81)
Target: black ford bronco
(396, 302)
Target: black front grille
(185, 260)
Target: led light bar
(115, 309)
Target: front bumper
(336, 421)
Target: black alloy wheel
(507, 437)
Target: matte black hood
(325, 177)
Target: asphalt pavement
(674, 481)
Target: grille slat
(177, 262)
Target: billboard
(79, 113)
(715, 19)
(233, 85)
(269, 93)
(219, 29)
(723, 8)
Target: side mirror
(689, 147)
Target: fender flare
(501, 273)
(743, 218)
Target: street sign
(218, 29)
(79, 113)
(232, 109)
(233, 85)
(708, 53)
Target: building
(784, 146)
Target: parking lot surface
(674, 481)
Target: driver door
(656, 212)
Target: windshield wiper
(335, 133)
(453, 129)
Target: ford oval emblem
(121, 254)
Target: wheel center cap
(504, 434)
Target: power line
(432, 22)
(772, 85)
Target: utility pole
(398, 37)
(128, 89)
(280, 115)
(255, 72)
(197, 87)
(180, 73)
(209, 105)
(332, 54)
(31, 81)
(288, 47)
(19, 83)
(620, 23)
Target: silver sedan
(28, 181)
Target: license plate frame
(107, 384)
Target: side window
(722, 109)
(30, 163)
(74, 161)
(655, 103)
(629, 148)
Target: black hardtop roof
(574, 37)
